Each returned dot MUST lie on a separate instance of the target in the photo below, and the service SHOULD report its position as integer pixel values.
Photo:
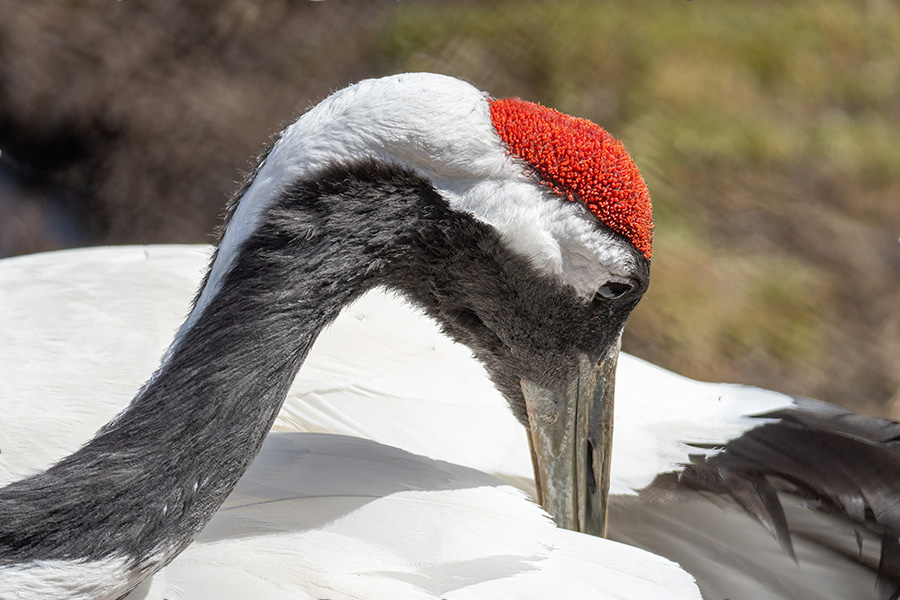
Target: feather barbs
(579, 160)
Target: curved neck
(153, 477)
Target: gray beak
(571, 443)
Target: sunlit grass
(764, 130)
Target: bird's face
(541, 294)
(552, 351)
(568, 335)
(570, 406)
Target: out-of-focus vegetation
(769, 134)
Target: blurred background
(768, 133)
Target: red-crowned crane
(525, 232)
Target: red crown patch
(578, 159)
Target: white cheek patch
(557, 236)
(597, 259)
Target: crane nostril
(591, 482)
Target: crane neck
(146, 484)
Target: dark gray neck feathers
(152, 478)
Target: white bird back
(316, 515)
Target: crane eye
(612, 290)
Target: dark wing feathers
(833, 460)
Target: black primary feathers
(814, 475)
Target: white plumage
(316, 516)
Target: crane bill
(570, 437)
